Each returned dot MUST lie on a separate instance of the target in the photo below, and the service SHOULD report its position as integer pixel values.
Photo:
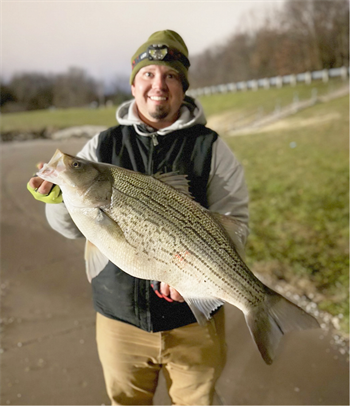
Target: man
(144, 327)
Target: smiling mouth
(158, 98)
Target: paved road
(48, 347)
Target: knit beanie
(163, 48)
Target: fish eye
(76, 164)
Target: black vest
(116, 294)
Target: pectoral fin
(95, 261)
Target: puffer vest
(116, 294)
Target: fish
(153, 229)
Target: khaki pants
(191, 358)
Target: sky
(101, 36)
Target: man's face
(159, 94)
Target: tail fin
(273, 318)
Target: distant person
(143, 327)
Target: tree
(7, 95)
(119, 90)
(304, 35)
(320, 30)
(32, 90)
(74, 88)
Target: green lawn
(56, 119)
(299, 199)
(266, 100)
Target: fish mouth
(52, 170)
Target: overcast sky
(101, 36)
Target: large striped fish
(151, 228)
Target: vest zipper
(154, 143)
(149, 323)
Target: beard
(160, 112)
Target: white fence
(277, 81)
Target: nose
(159, 82)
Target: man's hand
(40, 185)
(164, 291)
(43, 190)
(168, 291)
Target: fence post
(325, 76)
(343, 73)
(295, 102)
(232, 87)
(279, 81)
(266, 83)
(293, 80)
(307, 78)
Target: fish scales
(180, 209)
(152, 229)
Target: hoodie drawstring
(154, 139)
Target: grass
(265, 100)
(38, 120)
(298, 183)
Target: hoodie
(226, 189)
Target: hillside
(297, 176)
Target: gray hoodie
(226, 190)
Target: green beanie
(163, 48)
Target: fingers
(167, 290)
(45, 187)
(164, 289)
(42, 186)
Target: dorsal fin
(175, 180)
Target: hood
(191, 113)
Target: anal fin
(202, 307)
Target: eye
(76, 164)
(173, 76)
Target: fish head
(83, 182)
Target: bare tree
(320, 30)
(74, 88)
(32, 90)
(304, 35)
(7, 97)
(119, 89)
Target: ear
(133, 89)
